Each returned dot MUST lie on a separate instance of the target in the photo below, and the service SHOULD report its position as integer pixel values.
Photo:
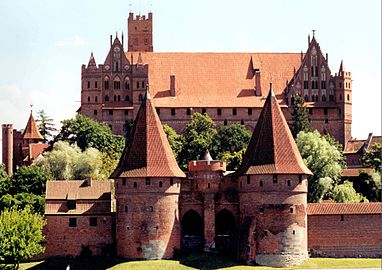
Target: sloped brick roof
(210, 79)
(354, 146)
(344, 208)
(35, 149)
(31, 130)
(78, 189)
(272, 149)
(147, 152)
(354, 172)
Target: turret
(140, 33)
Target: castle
(229, 87)
(257, 214)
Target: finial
(341, 66)
(314, 31)
(116, 34)
(31, 105)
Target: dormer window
(71, 204)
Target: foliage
(69, 162)
(233, 159)
(324, 160)
(29, 179)
(86, 133)
(174, 139)
(300, 117)
(372, 158)
(198, 136)
(345, 193)
(45, 125)
(22, 200)
(369, 186)
(21, 235)
(232, 138)
(5, 181)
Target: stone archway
(225, 232)
(192, 231)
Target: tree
(174, 139)
(45, 125)
(232, 138)
(345, 193)
(372, 158)
(198, 136)
(5, 181)
(85, 133)
(324, 160)
(30, 179)
(21, 235)
(233, 159)
(300, 117)
(36, 203)
(369, 186)
(69, 162)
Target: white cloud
(76, 41)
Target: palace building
(229, 87)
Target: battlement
(207, 165)
(139, 17)
(7, 126)
(140, 33)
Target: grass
(195, 261)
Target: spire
(92, 62)
(207, 156)
(139, 61)
(31, 130)
(272, 149)
(147, 152)
(147, 94)
(341, 66)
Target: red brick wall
(62, 240)
(354, 236)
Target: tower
(147, 190)
(272, 184)
(7, 147)
(140, 33)
(343, 86)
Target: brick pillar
(7, 148)
(209, 219)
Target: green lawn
(201, 261)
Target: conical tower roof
(92, 62)
(272, 149)
(31, 131)
(147, 152)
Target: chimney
(172, 85)
(257, 83)
(89, 181)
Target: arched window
(119, 98)
(306, 98)
(348, 97)
(88, 99)
(323, 98)
(106, 83)
(127, 84)
(106, 98)
(127, 98)
(96, 99)
(192, 224)
(117, 83)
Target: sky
(44, 43)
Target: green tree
(372, 158)
(45, 125)
(232, 138)
(174, 139)
(22, 200)
(69, 162)
(30, 179)
(345, 193)
(300, 117)
(325, 162)
(369, 186)
(233, 159)
(198, 136)
(85, 133)
(21, 235)
(5, 181)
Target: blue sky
(45, 42)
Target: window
(127, 98)
(95, 84)
(323, 98)
(148, 181)
(294, 232)
(71, 204)
(326, 111)
(339, 111)
(225, 122)
(106, 98)
(126, 209)
(342, 218)
(93, 221)
(219, 111)
(261, 183)
(106, 84)
(348, 97)
(115, 97)
(188, 111)
(248, 179)
(158, 111)
(137, 84)
(140, 97)
(310, 111)
(326, 120)
(306, 85)
(124, 182)
(172, 111)
(135, 184)
(116, 66)
(234, 111)
(204, 111)
(291, 210)
(242, 122)
(249, 111)
(126, 112)
(119, 98)
(96, 99)
(275, 178)
(160, 184)
(110, 126)
(88, 84)
(289, 183)
(72, 222)
(171, 181)
(323, 84)
(127, 85)
(117, 85)
(143, 84)
(110, 112)
(88, 99)
(340, 85)
(331, 97)
(300, 179)
(340, 97)
(306, 98)
(95, 112)
(209, 185)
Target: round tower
(7, 147)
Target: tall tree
(369, 185)
(324, 160)
(21, 235)
(5, 181)
(232, 138)
(345, 193)
(30, 179)
(85, 133)
(300, 117)
(45, 125)
(174, 139)
(372, 158)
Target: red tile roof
(31, 130)
(354, 172)
(210, 79)
(147, 152)
(344, 208)
(272, 149)
(78, 189)
(35, 149)
(354, 146)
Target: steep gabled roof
(272, 149)
(31, 130)
(147, 152)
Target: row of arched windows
(117, 98)
(116, 83)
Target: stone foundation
(281, 260)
